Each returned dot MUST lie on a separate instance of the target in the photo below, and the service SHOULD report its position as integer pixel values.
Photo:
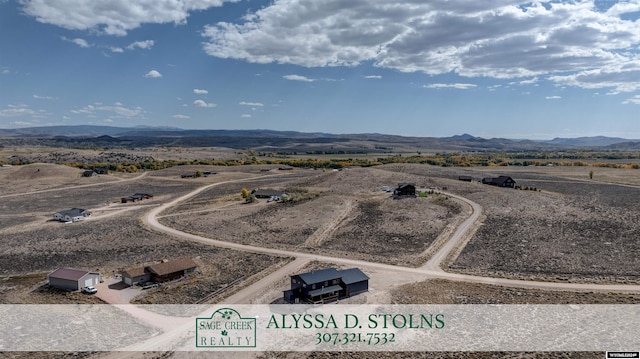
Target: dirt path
(322, 233)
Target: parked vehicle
(89, 290)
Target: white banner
(330, 327)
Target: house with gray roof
(71, 215)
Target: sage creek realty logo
(225, 329)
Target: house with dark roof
(72, 215)
(89, 173)
(133, 276)
(136, 197)
(73, 279)
(405, 190)
(267, 193)
(326, 285)
(101, 170)
(501, 181)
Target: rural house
(266, 193)
(160, 272)
(405, 189)
(73, 279)
(136, 197)
(501, 181)
(72, 215)
(133, 276)
(326, 285)
(101, 170)
(89, 173)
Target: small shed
(169, 270)
(73, 279)
(89, 173)
(465, 178)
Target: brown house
(168, 270)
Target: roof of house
(353, 275)
(499, 180)
(403, 185)
(319, 275)
(267, 193)
(73, 212)
(134, 272)
(173, 266)
(68, 273)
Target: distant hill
(596, 141)
(287, 141)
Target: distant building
(326, 285)
(101, 170)
(89, 173)
(72, 215)
(136, 197)
(405, 189)
(73, 279)
(285, 168)
(267, 193)
(501, 181)
(465, 178)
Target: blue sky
(497, 68)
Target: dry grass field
(571, 229)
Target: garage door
(88, 282)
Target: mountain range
(289, 141)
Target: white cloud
(116, 49)
(17, 111)
(450, 86)
(37, 97)
(553, 97)
(498, 39)
(200, 103)
(5, 71)
(145, 45)
(246, 115)
(80, 42)
(635, 100)
(117, 110)
(153, 74)
(200, 92)
(114, 17)
(254, 104)
(373, 77)
(298, 78)
(181, 117)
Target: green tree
(245, 193)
